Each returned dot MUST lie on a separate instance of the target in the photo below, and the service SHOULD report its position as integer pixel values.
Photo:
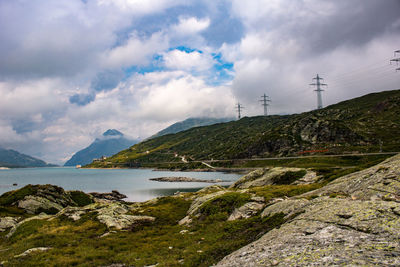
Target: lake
(134, 183)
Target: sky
(71, 69)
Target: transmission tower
(239, 108)
(265, 99)
(397, 60)
(319, 90)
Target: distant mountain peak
(112, 132)
(107, 145)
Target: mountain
(13, 159)
(365, 124)
(111, 142)
(190, 123)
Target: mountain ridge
(365, 124)
(13, 159)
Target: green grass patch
(288, 177)
(80, 198)
(9, 198)
(224, 205)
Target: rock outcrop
(247, 210)
(277, 175)
(8, 222)
(50, 199)
(114, 195)
(359, 224)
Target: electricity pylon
(239, 108)
(397, 60)
(265, 99)
(318, 90)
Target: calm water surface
(132, 182)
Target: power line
(239, 108)
(265, 99)
(318, 90)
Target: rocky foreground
(354, 220)
(270, 217)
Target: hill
(366, 124)
(190, 123)
(111, 142)
(13, 159)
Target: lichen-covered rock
(124, 221)
(309, 178)
(35, 199)
(75, 213)
(362, 228)
(36, 204)
(8, 222)
(114, 215)
(287, 207)
(251, 176)
(278, 175)
(246, 211)
(378, 182)
(114, 195)
(329, 232)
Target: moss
(80, 198)
(289, 177)
(9, 198)
(167, 210)
(224, 204)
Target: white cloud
(135, 51)
(191, 25)
(182, 97)
(140, 7)
(195, 61)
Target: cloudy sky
(71, 69)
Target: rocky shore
(269, 217)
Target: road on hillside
(302, 157)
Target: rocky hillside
(13, 159)
(365, 124)
(111, 142)
(270, 217)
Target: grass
(80, 243)
(80, 198)
(10, 197)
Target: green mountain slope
(13, 159)
(362, 124)
(190, 123)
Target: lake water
(134, 183)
